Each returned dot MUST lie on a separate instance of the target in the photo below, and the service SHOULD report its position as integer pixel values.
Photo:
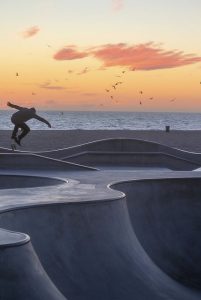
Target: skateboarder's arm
(42, 120)
(14, 106)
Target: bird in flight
(107, 90)
(172, 100)
(114, 87)
(17, 74)
(119, 82)
(84, 71)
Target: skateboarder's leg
(14, 133)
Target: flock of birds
(113, 87)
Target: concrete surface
(20, 181)
(9, 238)
(29, 161)
(23, 277)
(165, 214)
(132, 151)
(107, 235)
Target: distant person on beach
(20, 117)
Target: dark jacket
(23, 115)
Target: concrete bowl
(20, 181)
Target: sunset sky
(101, 55)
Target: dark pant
(25, 130)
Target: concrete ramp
(132, 159)
(22, 275)
(109, 145)
(19, 161)
(20, 181)
(166, 217)
(129, 151)
(90, 251)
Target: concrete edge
(63, 163)
(10, 238)
(112, 139)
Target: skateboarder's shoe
(13, 147)
(17, 140)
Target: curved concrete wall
(127, 149)
(19, 181)
(122, 145)
(90, 251)
(165, 214)
(18, 161)
(146, 160)
(112, 145)
(23, 277)
(116, 145)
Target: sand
(39, 140)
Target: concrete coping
(10, 239)
(153, 153)
(109, 140)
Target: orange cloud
(69, 53)
(148, 56)
(30, 32)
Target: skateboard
(13, 146)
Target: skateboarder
(20, 117)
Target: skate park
(111, 219)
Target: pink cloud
(69, 53)
(30, 32)
(117, 5)
(147, 56)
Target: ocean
(110, 120)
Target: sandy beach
(39, 140)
